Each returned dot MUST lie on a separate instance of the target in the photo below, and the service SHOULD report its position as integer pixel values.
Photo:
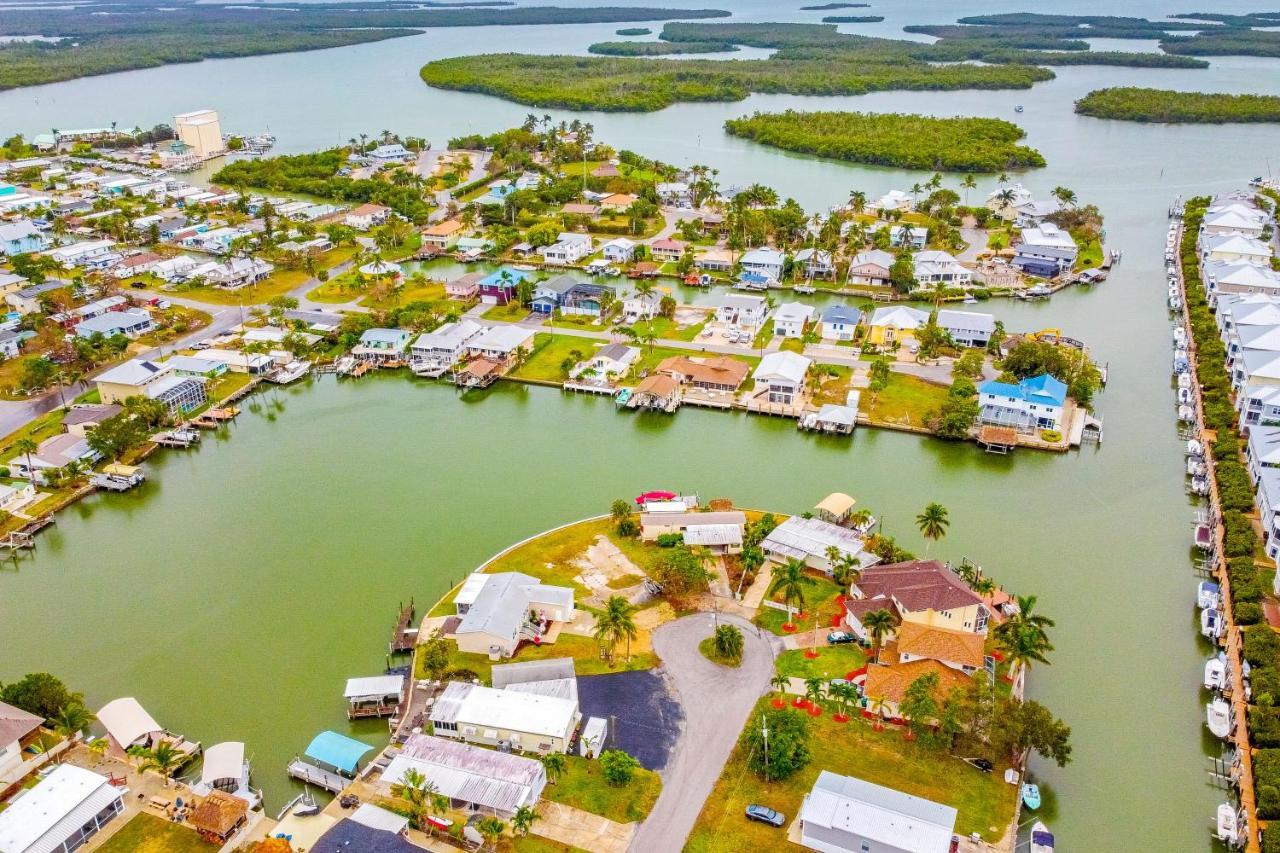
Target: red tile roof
(918, 585)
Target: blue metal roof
(841, 314)
(1038, 389)
(337, 750)
(514, 277)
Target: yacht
(1211, 623)
(1229, 824)
(1208, 595)
(1218, 713)
(1215, 672)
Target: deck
(404, 637)
(317, 776)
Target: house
(1005, 202)
(576, 208)
(570, 296)
(381, 344)
(893, 200)
(549, 677)
(27, 300)
(499, 287)
(1033, 404)
(780, 378)
(610, 360)
(21, 237)
(617, 202)
(673, 193)
(620, 250)
(366, 216)
(843, 814)
(764, 261)
(500, 343)
(960, 650)
(61, 813)
(10, 343)
(1234, 247)
(870, 267)
(139, 263)
(446, 344)
(14, 496)
(655, 524)
(667, 250)
(239, 361)
(914, 237)
(742, 309)
(569, 248)
(473, 778)
(392, 153)
(1234, 219)
(174, 269)
(791, 318)
(514, 719)
(936, 267)
(706, 374)
(18, 729)
(1045, 251)
(131, 322)
(351, 834)
(193, 365)
(715, 260)
(550, 294)
(79, 419)
(180, 394)
(840, 322)
(1268, 499)
(886, 686)
(967, 328)
(464, 288)
(442, 235)
(84, 254)
(129, 379)
(52, 453)
(926, 592)
(1231, 277)
(817, 263)
(810, 540)
(11, 283)
(641, 306)
(893, 326)
(502, 610)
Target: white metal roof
(502, 339)
(811, 537)
(223, 761)
(486, 777)
(879, 814)
(127, 721)
(531, 713)
(374, 687)
(713, 534)
(471, 588)
(44, 817)
(375, 817)
(783, 364)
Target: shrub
(669, 540)
(788, 748)
(1261, 647)
(1248, 613)
(618, 767)
(628, 527)
(1239, 537)
(1051, 435)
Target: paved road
(716, 701)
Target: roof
(127, 721)
(836, 503)
(44, 817)
(841, 314)
(502, 603)
(507, 674)
(92, 414)
(449, 336)
(194, 363)
(713, 534)
(135, 371)
(941, 644)
(617, 352)
(763, 255)
(832, 413)
(967, 320)
(919, 585)
(502, 338)
(463, 702)
(891, 682)
(783, 364)
(337, 750)
(486, 777)
(881, 815)
(875, 257)
(385, 336)
(373, 687)
(375, 817)
(708, 371)
(1049, 235)
(18, 230)
(686, 519)
(792, 312)
(15, 723)
(657, 384)
(899, 316)
(741, 301)
(443, 229)
(1042, 389)
(801, 538)
(112, 320)
(223, 761)
(218, 813)
(349, 834)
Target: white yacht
(1215, 672)
(1218, 716)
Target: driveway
(716, 701)
(644, 718)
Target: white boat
(1184, 395)
(1218, 717)
(1179, 335)
(1215, 672)
(226, 769)
(805, 288)
(1184, 381)
(970, 299)
(1211, 623)
(1228, 824)
(1199, 486)
(1196, 467)
(291, 372)
(1186, 414)
(1041, 838)
(1208, 596)
(1194, 448)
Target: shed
(835, 507)
(594, 736)
(846, 813)
(375, 817)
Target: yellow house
(894, 326)
(130, 379)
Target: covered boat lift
(329, 750)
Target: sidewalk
(582, 829)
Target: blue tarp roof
(513, 277)
(337, 750)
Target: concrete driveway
(716, 701)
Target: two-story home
(764, 261)
(870, 267)
(914, 237)
(791, 318)
(499, 287)
(1033, 404)
(816, 263)
(442, 235)
(959, 649)
(936, 267)
(381, 345)
(619, 250)
(549, 295)
(1045, 251)
(1238, 277)
(446, 344)
(840, 322)
(667, 250)
(742, 309)
(892, 326)
(641, 306)
(923, 592)
(780, 378)
(967, 328)
(1234, 219)
(1234, 247)
(569, 248)
(366, 216)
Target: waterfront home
(914, 237)
(381, 345)
(1045, 251)
(667, 250)
(390, 153)
(1239, 277)
(217, 241)
(641, 306)
(843, 814)
(176, 268)
(764, 261)
(619, 250)
(79, 419)
(131, 322)
(960, 650)
(1011, 202)
(473, 778)
(21, 237)
(569, 248)
(14, 496)
(1262, 451)
(743, 310)
(1259, 404)
(239, 361)
(499, 287)
(500, 611)
(1033, 404)
(18, 730)
(128, 725)
(129, 379)
(11, 343)
(892, 326)
(810, 540)
(706, 374)
(446, 344)
(507, 719)
(967, 328)
(464, 288)
(791, 318)
(1238, 217)
(53, 453)
(442, 235)
(893, 200)
(611, 360)
(925, 592)
(366, 216)
(1233, 247)
(550, 294)
(840, 322)
(720, 532)
(780, 378)
(1255, 367)
(673, 192)
(715, 260)
(935, 267)
(197, 365)
(886, 686)
(1267, 486)
(1235, 310)
(617, 202)
(816, 263)
(870, 267)
(61, 813)
(501, 343)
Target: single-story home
(80, 419)
(500, 611)
(810, 541)
(473, 778)
(790, 319)
(708, 374)
(512, 719)
(655, 524)
(61, 813)
(56, 452)
(843, 814)
(131, 322)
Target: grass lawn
(708, 649)
(820, 599)
(795, 345)
(585, 652)
(576, 168)
(667, 329)
(907, 400)
(226, 385)
(582, 786)
(425, 291)
(764, 335)
(832, 662)
(149, 834)
(278, 283)
(549, 557)
(585, 322)
(512, 312)
(835, 385)
(189, 319)
(344, 288)
(549, 352)
(1090, 255)
(46, 426)
(985, 803)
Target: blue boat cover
(337, 750)
(1045, 838)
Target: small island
(830, 6)
(633, 31)
(894, 139)
(853, 19)
(1160, 105)
(658, 48)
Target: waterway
(235, 592)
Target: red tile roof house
(667, 249)
(926, 592)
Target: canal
(236, 592)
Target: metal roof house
(516, 719)
(472, 777)
(550, 677)
(70, 806)
(500, 611)
(841, 814)
(967, 328)
(1034, 403)
(350, 834)
(808, 539)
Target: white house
(516, 719)
(810, 539)
(764, 261)
(367, 216)
(967, 328)
(175, 268)
(1033, 404)
(909, 236)
(619, 250)
(569, 248)
(609, 360)
(482, 780)
(780, 377)
(393, 153)
(742, 309)
(935, 266)
(1234, 247)
(842, 814)
(238, 272)
(790, 319)
(673, 192)
(130, 322)
(817, 263)
(500, 611)
(641, 306)
(1045, 251)
(446, 344)
(500, 343)
(840, 322)
(893, 200)
(61, 813)
(1234, 217)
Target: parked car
(138, 284)
(839, 638)
(764, 814)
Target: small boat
(970, 299)
(1196, 467)
(1184, 395)
(1208, 595)
(1215, 672)
(623, 396)
(805, 288)
(1211, 623)
(1031, 795)
(1041, 838)
(1184, 381)
(1199, 486)
(1186, 414)
(1018, 108)
(1218, 717)
(1204, 537)
(1194, 448)
(1228, 824)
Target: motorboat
(1194, 448)
(1184, 380)
(1199, 486)
(225, 768)
(1215, 672)
(1179, 335)
(1211, 623)
(1186, 414)
(1031, 795)
(1041, 838)
(1196, 467)
(1208, 595)
(1228, 829)
(970, 299)
(623, 397)
(805, 288)
(1018, 108)
(1184, 395)
(1218, 717)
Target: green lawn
(583, 787)
(1090, 255)
(549, 353)
(149, 834)
(835, 384)
(46, 426)
(549, 557)
(763, 336)
(278, 283)
(984, 802)
(907, 400)
(585, 652)
(820, 601)
(576, 168)
(708, 649)
(511, 312)
(667, 329)
(832, 661)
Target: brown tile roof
(618, 200)
(941, 644)
(919, 585)
(368, 210)
(714, 371)
(657, 384)
(580, 209)
(480, 367)
(859, 607)
(218, 814)
(15, 723)
(890, 683)
(443, 229)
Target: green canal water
(237, 590)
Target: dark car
(764, 814)
(138, 284)
(837, 638)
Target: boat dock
(215, 418)
(404, 637)
(25, 538)
(182, 438)
(318, 776)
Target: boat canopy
(127, 721)
(655, 496)
(1042, 837)
(337, 750)
(223, 761)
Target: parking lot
(644, 719)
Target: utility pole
(764, 729)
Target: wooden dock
(317, 776)
(215, 418)
(405, 636)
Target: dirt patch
(605, 570)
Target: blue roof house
(839, 322)
(21, 237)
(1033, 404)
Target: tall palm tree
(790, 581)
(815, 690)
(879, 624)
(968, 183)
(1064, 195)
(780, 683)
(164, 758)
(933, 523)
(857, 201)
(554, 763)
(1023, 636)
(491, 828)
(844, 695)
(622, 615)
(73, 719)
(25, 447)
(523, 819)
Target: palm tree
(879, 624)
(790, 581)
(616, 622)
(26, 447)
(815, 690)
(523, 819)
(844, 695)
(916, 189)
(968, 183)
(491, 828)
(933, 523)
(857, 201)
(780, 683)
(164, 758)
(1023, 636)
(728, 642)
(73, 719)
(554, 763)
(1003, 178)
